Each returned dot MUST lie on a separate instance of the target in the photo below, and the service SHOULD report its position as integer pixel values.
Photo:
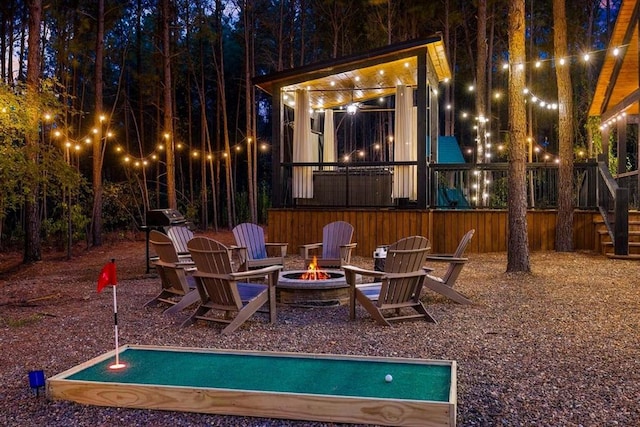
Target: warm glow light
(195, 154)
(67, 144)
(238, 148)
(538, 64)
(471, 88)
(127, 159)
(505, 66)
(47, 116)
(263, 147)
(77, 147)
(166, 135)
(160, 147)
(586, 57)
(102, 118)
(109, 134)
(314, 272)
(562, 61)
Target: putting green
(323, 387)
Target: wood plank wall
(443, 228)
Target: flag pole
(116, 365)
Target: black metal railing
(613, 203)
(450, 186)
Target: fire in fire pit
(313, 272)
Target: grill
(164, 218)
(161, 220)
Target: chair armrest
(212, 275)
(305, 249)
(345, 252)
(255, 274)
(446, 258)
(185, 265)
(282, 246)
(362, 271)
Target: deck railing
(450, 186)
(613, 203)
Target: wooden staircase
(604, 243)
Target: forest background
(149, 104)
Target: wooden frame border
(328, 408)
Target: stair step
(634, 257)
(631, 244)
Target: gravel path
(558, 347)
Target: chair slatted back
(454, 270)
(251, 236)
(211, 256)
(170, 277)
(334, 235)
(180, 235)
(163, 246)
(404, 256)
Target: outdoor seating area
(575, 329)
(229, 284)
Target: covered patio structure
(359, 129)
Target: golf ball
(388, 378)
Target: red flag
(107, 276)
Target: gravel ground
(558, 347)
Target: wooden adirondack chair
(335, 248)
(178, 287)
(180, 235)
(223, 298)
(399, 287)
(444, 285)
(253, 251)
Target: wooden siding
(443, 228)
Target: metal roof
(360, 77)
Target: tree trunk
(219, 65)
(564, 223)
(96, 218)
(32, 244)
(518, 242)
(249, 106)
(169, 137)
(481, 83)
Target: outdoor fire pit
(312, 287)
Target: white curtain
(329, 148)
(405, 144)
(303, 147)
